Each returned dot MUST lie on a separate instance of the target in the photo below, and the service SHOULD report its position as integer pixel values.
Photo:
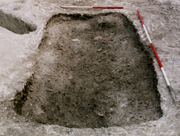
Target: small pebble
(101, 115)
(98, 38)
(100, 49)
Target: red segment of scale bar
(157, 57)
(154, 50)
(140, 17)
(108, 7)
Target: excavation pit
(15, 25)
(91, 72)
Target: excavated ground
(15, 25)
(91, 72)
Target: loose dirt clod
(84, 82)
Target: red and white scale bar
(90, 7)
(157, 57)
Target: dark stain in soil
(91, 72)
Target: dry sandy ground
(19, 56)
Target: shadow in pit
(15, 25)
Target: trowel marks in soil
(15, 25)
(91, 71)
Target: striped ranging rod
(157, 57)
(90, 7)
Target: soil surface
(91, 71)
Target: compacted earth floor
(91, 71)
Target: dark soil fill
(91, 72)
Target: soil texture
(91, 72)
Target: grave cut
(91, 72)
